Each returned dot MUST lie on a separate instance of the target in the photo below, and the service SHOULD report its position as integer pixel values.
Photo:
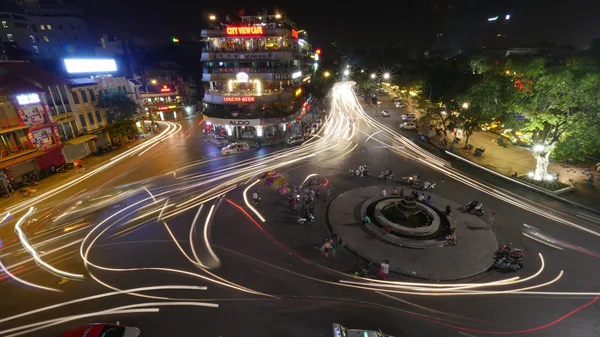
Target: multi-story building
(161, 101)
(253, 70)
(497, 32)
(43, 29)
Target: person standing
(384, 269)
(491, 219)
(448, 210)
(395, 191)
(383, 193)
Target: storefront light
(162, 117)
(259, 131)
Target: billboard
(42, 138)
(90, 65)
(33, 115)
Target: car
(295, 140)
(235, 148)
(341, 331)
(102, 330)
(409, 117)
(385, 113)
(408, 126)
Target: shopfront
(238, 128)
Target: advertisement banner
(33, 115)
(42, 138)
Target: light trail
(245, 195)
(29, 284)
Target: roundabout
(411, 234)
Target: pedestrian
(383, 192)
(421, 197)
(448, 210)
(384, 269)
(333, 249)
(428, 201)
(394, 191)
(366, 220)
(402, 192)
(317, 194)
(491, 220)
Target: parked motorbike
(386, 176)
(507, 251)
(294, 202)
(505, 265)
(307, 219)
(27, 192)
(475, 207)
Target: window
(21, 25)
(91, 118)
(124, 89)
(82, 119)
(49, 27)
(42, 27)
(92, 95)
(4, 24)
(34, 28)
(46, 39)
(36, 50)
(83, 96)
(98, 118)
(10, 37)
(75, 97)
(60, 27)
(32, 38)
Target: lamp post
(150, 111)
(151, 81)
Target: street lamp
(346, 72)
(373, 76)
(326, 74)
(386, 76)
(277, 16)
(465, 105)
(151, 81)
(212, 17)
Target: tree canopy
(119, 106)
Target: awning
(80, 139)
(21, 159)
(14, 128)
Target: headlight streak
(29, 284)
(191, 238)
(245, 195)
(541, 241)
(206, 241)
(25, 243)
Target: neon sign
(239, 99)
(165, 89)
(28, 99)
(294, 33)
(253, 30)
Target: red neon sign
(165, 89)
(294, 33)
(239, 99)
(163, 108)
(252, 30)
(318, 51)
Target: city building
(254, 67)
(497, 32)
(42, 29)
(161, 101)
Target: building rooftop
(81, 81)
(13, 85)
(31, 73)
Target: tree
(561, 96)
(124, 128)
(119, 106)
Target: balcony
(267, 74)
(235, 54)
(248, 97)
(11, 125)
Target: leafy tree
(561, 96)
(119, 106)
(123, 128)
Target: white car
(295, 140)
(409, 116)
(408, 126)
(385, 113)
(235, 148)
(341, 331)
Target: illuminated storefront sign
(296, 74)
(242, 77)
(294, 33)
(28, 99)
(244, 56)
(90, 65)
(232, 122)
(255, 30)
(239, 99)
(281, 76)
(165, 89)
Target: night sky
(366, 24)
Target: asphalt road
(169, 218)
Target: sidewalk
(472, 255)
(510, 159)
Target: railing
(11, 123)
(15, 150)
(247, 50)
(250, 92)
(248, 70)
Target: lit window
(46, 39)
(49, 27)
(42, 27)
(4, 24)
(32, 38)
(10, 37)
(36, 50)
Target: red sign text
(294, 33)
(239, 99)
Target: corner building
(253, 70)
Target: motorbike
(505, 265)
(293, 202)
(352, 173)
(27, 192)
(428, 186)
(307, 219)
(386, 176)
(412, 180)
(507, 251)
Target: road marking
(465, 334)
(588, 217)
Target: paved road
(184, 230)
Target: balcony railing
(248, 70)
(250, 92)
(11, 123)
(14, 150)
(241, 49)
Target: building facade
(43, 29)
(253, 70)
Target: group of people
(330, 245)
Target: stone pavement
(472, 255)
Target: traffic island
(411, 234)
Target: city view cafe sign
(244, 30)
